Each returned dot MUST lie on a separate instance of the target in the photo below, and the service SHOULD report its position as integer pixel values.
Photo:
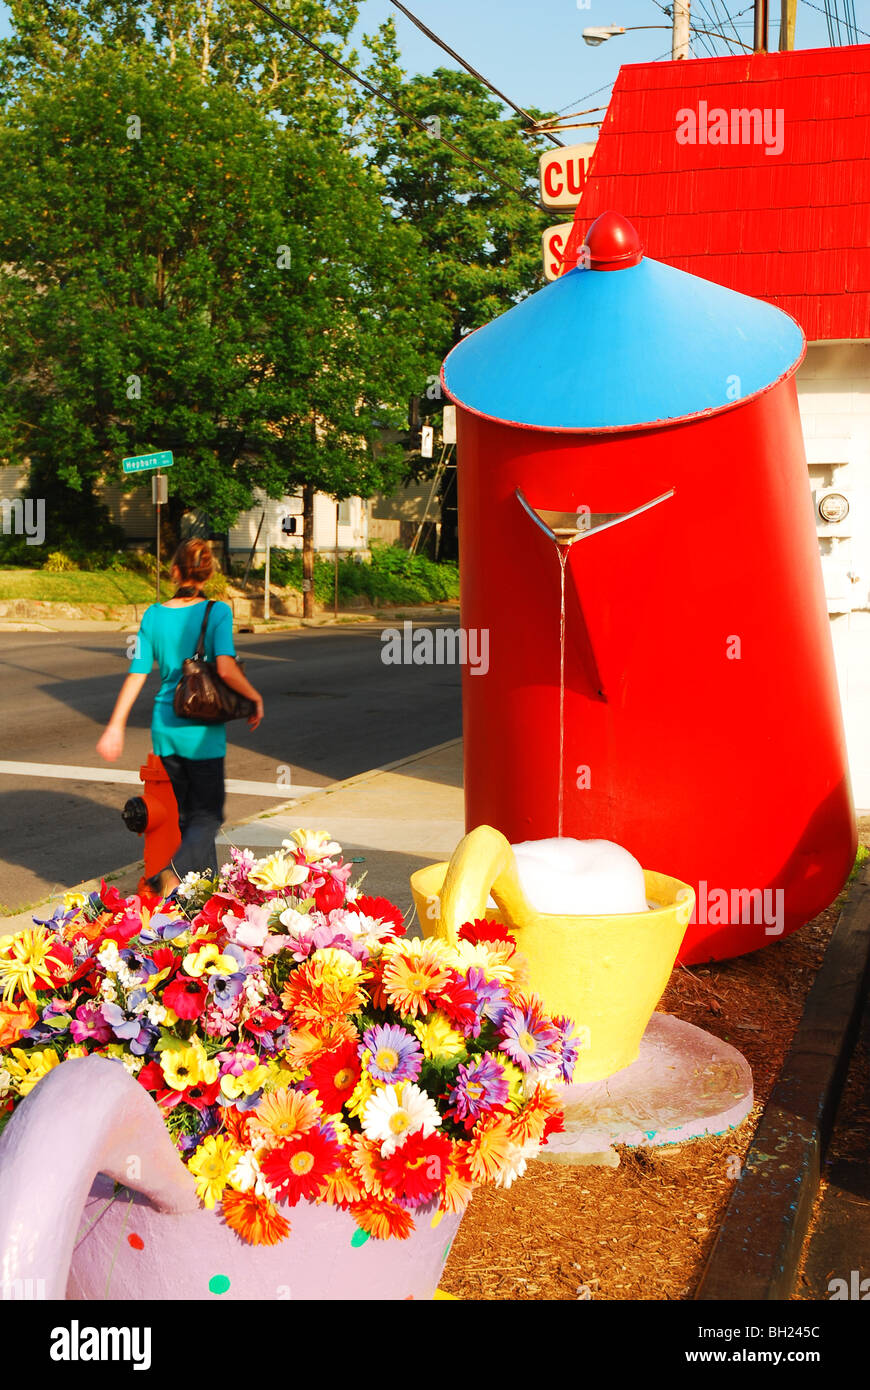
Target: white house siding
(834, 396)
(352, 528)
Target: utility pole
(760, 40)
(681, 29)
(788, 15)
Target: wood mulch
(645, 1229)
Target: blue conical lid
(627, 343)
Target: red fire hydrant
(154, 815)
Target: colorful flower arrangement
(298, 1044)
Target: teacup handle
(483, 863)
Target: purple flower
(492, 997)
(225, 988)
(527, 1038)
(570, 1045)
(479, 1086)
(163, 928)
(131, 1028)
(396, 1054)
(249, 1102)
(89, 1023)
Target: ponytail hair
(195, 561)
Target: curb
(283, 809)
(351, 617)
(758, 1249)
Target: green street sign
(145, 461)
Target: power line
(394, 105)
(604, 88)
(468, 68)
(826, 13)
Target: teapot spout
(87, 1116)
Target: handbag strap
(199, 654)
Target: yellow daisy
(212, 1165)
(23, 958)
(439, 1040)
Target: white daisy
(516, 1162)
(394, 1112)
(247, 1176)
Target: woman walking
(192, 753)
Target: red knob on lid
(613, 243)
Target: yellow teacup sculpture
(606, 973)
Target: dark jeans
(198, 784)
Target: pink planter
(89, 1124)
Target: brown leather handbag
(201, 695)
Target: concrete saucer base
(684, 1084)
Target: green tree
(227, 42)
(479, 221)
(181, 271)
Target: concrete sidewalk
(394, 819)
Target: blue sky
(533, 49)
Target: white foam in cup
(580, 877)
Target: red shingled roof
(792, 228)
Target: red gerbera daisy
(483, 929)
(382, 910)
(418, 1168)
(297, 1167)
(334, 1076)
(458, 1002)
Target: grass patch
(78, 586)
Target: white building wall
(352, 527)
(834, 396)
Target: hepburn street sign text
(141, 462)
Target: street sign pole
(140, 463)
(158, 477)
(267, 598)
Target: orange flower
(15, 1019)
(282, 1114)
(312, 1041)
(458, 1183)
(365, 1159)
(542, 1105)
(383, 1219)
(255, 1219)
(317, 996)
(340, 1189)
(237, 1125)
(488, 1148)
(408, 981)
(80, 926)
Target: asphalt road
(333, 710)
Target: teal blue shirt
(168, 636)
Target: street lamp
(600, 33)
